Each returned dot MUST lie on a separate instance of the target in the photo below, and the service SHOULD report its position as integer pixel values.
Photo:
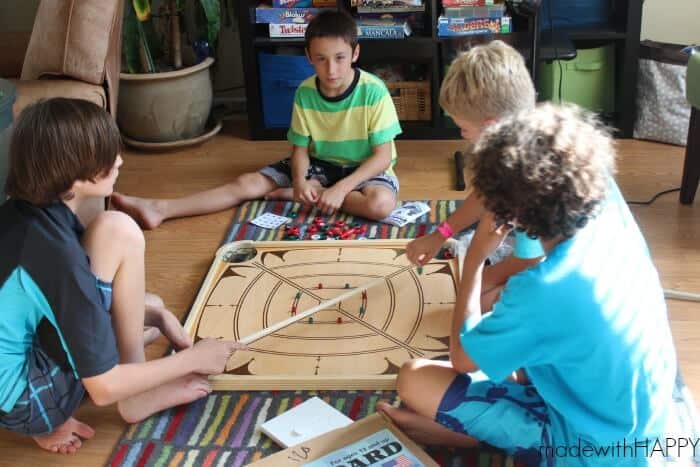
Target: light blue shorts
(509, 416)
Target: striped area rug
(241, 229)
(222, 429)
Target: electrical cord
(653, 198)
(669, 293)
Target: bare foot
(150, 334)
(153, 300)
(180, 391)
(169, 325)
(147, 212)
(66, 438)
(424, 430)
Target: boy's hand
(423, 249)
(331, 199)
(487, 238)
(212, 354)
(305, 192)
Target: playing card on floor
(269, 220)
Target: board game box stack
(388, 19)
(468, 17)
(289, 18)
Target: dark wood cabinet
(426, 48)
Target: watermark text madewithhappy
(682, 447)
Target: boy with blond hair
(483, 85)
(342, 134)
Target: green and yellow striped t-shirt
(343, 130)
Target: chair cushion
(32, 90)
(692, 80)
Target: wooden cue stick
(283, 324)
(679, 295)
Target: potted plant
(165, 93)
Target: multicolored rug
(222, 429)
(241, 229)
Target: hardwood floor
(180, 251)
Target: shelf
(603, 32)
(411, 40)
(411, 130)
(268, 41)
(426, 48)
(416, 40)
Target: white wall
(673, 21)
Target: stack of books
(388, 19)
(289, 18)
(468, 17)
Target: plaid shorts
(326, 173)
(52, 394)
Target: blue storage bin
(280, 75)
(575, 13)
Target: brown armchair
(74, 51)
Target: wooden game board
(252, 285)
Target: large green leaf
(130, 47)
(142, 9)
(213, 14)
(149, 65)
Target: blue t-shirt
(589, 325)
(48, 297)
(526, 247)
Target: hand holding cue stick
(306, 313)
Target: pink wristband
(445, 230)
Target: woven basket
(411, 99)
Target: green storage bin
(588, 80)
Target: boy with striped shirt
(342, 131)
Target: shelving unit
(435, 52)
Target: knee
(248, 180)
(406, 380)
(117, 229)
(380, 205)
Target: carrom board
(359, 343)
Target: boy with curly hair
(342, 134)
(72, 297)
(598, 351)
(483, 85)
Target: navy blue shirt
(48, 297)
